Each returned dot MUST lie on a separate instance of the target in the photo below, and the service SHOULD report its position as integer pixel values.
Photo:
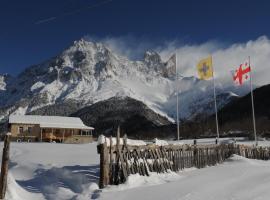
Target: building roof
(49, 121)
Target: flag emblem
(242, 74)
(205, 68)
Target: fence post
(195, 156)
(4, 167)
(104, 166)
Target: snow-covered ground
(67, 171)
(52, 171)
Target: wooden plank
(146, 165)
(166, 158)
(119, 152)
(195, 157)
(125, 156)
(111, 161)
(176, 152)
(123, 165)
(161, 160)
(156, 167)
(142, 163)
(135, 167)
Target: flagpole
(215, 99)
(177, 114)
(177, 98)
(252, 104)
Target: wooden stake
(4, 167)
(104, 166)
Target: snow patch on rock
(37, 85)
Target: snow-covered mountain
(88, 72)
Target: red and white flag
(242, 74)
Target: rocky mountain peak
(4, 78)
(154, 61)
(152, 58)
(84, 45)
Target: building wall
(48, 134)
(35, 130)
(29, 132)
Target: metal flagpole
(215, 99)
(177, 118)
(252, 103)
(177, 98)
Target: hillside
(237, 115)
(134, 117)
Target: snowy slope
(88, 72)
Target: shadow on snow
(74, 178)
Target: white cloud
(225, 59)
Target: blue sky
(24, 41)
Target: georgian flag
(242, 74)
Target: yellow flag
(205, 68)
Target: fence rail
(118, 161)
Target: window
(20, 129)
(29, 129)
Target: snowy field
(65, 171)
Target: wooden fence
(118, 161)
(252, 152)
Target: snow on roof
(49, 121)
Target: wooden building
(34, 128)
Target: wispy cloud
(73, 12)
(128, 45)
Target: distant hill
(134, 117)
(237, 115)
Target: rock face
(87, 73)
